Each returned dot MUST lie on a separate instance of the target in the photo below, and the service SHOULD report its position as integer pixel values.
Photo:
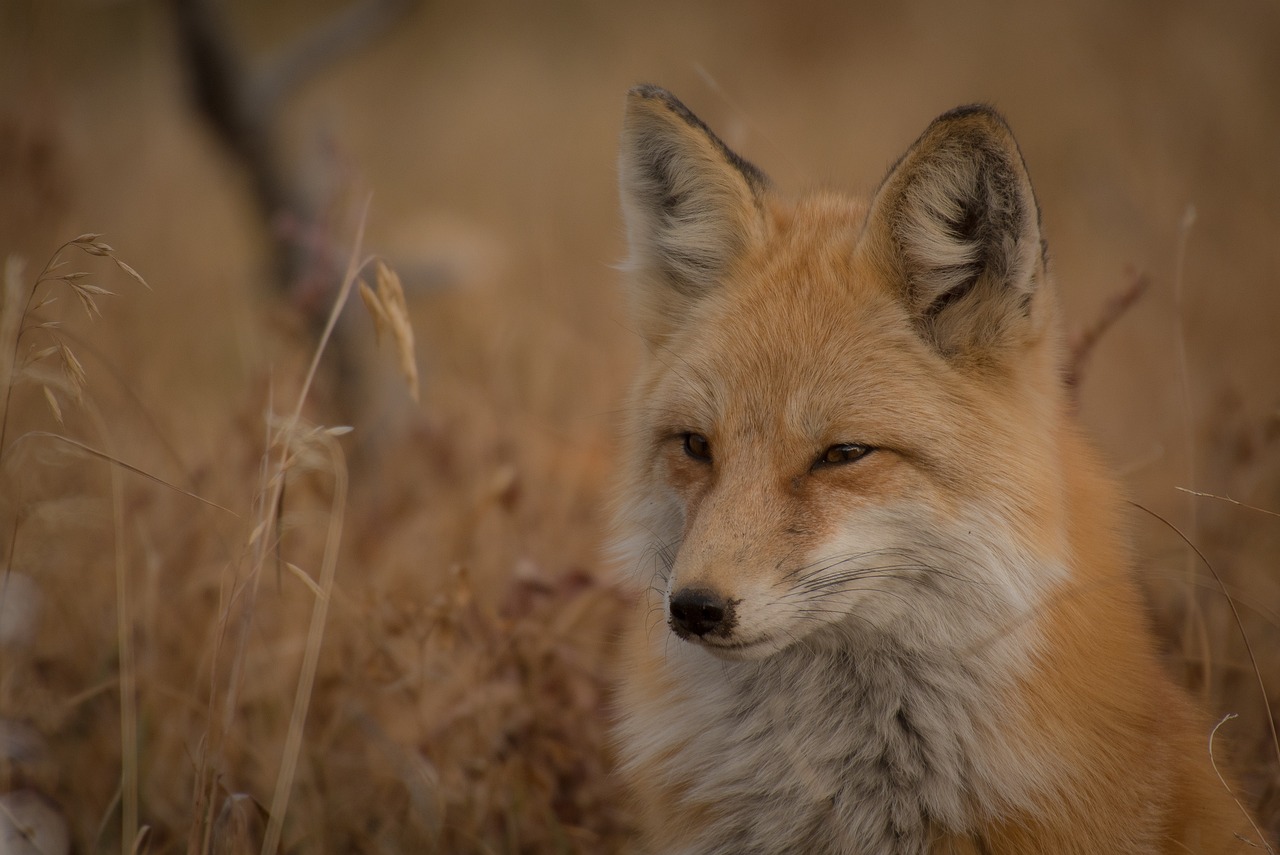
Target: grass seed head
(72, 368)
(392, 299)
(52, 400)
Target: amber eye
(697, 447)
(845, 452)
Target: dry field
(166, 626)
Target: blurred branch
(242, 106)
(1084, 341)
(220, 89)
(324, 45)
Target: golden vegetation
(224, 618)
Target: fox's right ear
(690, 206)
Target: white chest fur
(822, 751)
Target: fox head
(848, 417)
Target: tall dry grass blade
(354, 266)
(93, 691)
(139, 840)
(1195, 627)
(1229, 500)
(1235, 612)
(306, 580)
(11, 330)
(287, 446)
(127, 789)
(1247, 815)
(285, 435)
(130, 834)
(10, 326)
(115, 461)
(110, 811)
(220, 726)
(128, 675)
(268, 505)
(311, 657)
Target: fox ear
(690, 206)
(955, 225)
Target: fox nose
(698, 611)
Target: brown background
(486, 135)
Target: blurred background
(149, 653)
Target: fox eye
(697, 447)
(845, 452)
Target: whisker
(826, 562)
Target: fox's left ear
(956, 227)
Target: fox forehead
(804, 340)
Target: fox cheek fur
(886, 605)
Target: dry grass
(209, 666)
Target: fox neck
(879, 745)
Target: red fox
(901, 611)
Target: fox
(885, 598)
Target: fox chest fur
(763, 750)
(884, 602)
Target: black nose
(698, 611)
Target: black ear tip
(648, 100)
(653, 97)
(976, 109)
(981, 115)
(651, 92)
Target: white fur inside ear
(958, 219)
(684, 209)
(677, 228)
(690, 207)
(927, 235)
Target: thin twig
(1214, 762)
(115, 461)
(1086, 340)
(311, 657)
(1235, 612)
(128, 670)
(1229, 500)
(1195, 619)
(354, 266)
